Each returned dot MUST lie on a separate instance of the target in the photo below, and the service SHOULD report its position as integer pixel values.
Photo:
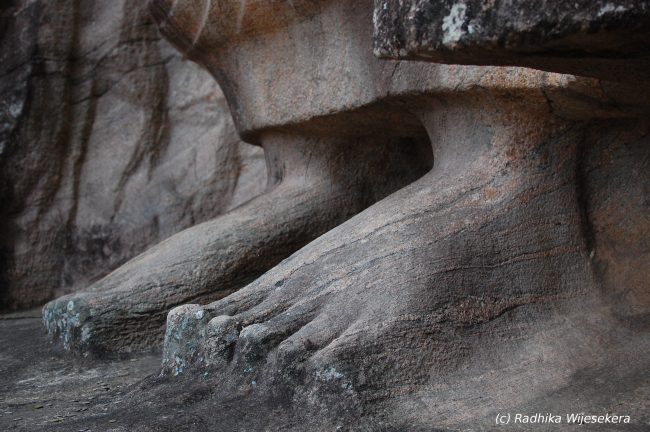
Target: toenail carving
(185, 333)
(252, 343)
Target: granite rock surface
(110, 142)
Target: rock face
(598, 38)
(110, 142)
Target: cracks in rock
(149, 147)
(205, 14)
(123, 75)
(583, 199)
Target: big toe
(64, 319)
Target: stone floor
(41, 388)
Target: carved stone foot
(314, 185)
(476, 267)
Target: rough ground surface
(110, 142)
(43, 390)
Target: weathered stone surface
(42, 389)
(598, 38)
(496, 281)
(512, 277)
(315, 184)
(498, 268)
(109, 142)
(319, 175)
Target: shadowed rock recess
(509, 275)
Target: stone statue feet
(314, 185)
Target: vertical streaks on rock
(109, 142)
